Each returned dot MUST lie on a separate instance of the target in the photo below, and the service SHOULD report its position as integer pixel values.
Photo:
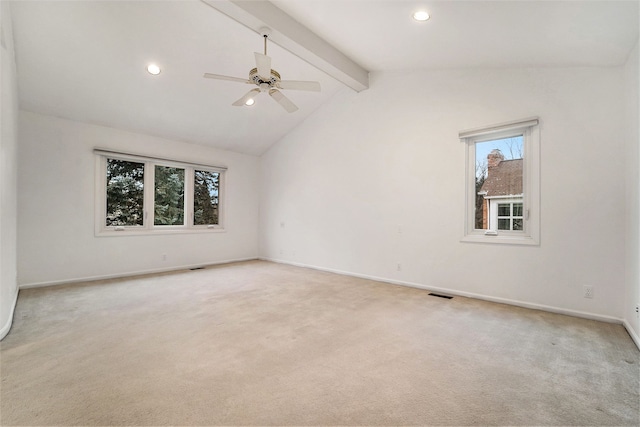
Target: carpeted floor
(258, 343)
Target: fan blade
(231, 79)
(263, 64)
(299, 85)
(241, 102)
(283, 100)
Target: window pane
(169, 196)
(517, 223)
(205, 197)
(517, 209)
(504, 224)
(504, 209)
(125, 193)
(499, 172)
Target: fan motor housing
(254, 77)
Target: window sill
(153, 232)
(504, 239)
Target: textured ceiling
(85, 60)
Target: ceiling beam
(296, 38)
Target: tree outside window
(169, 196)
(125, 193)
(205, 198)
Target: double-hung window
(138, 195)
(503, 183)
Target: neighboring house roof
(503, 179)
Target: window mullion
(149, 195)
(188, 196)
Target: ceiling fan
(268, 80)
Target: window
(125, 195)
(206, 186)
(510, 216)
(137, 195)
(498, 180)
(502, 185)
(168, 201)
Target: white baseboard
(128, 274)
(634, 336)
(7, 326)
(524, 304)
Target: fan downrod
(265, 32)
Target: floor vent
(196, 268)
(440, 296)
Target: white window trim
(101, 229)
(529, 128)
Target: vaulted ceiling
(86, 60)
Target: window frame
(148, 227)
(530, 130)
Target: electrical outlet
(638, 310)
(588, 291)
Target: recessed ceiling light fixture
(420, 15)
(153, 69)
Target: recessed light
(249, 102)
(420, 15)
(153, 69)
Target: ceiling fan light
(153, 69)
(249, 102)
(420, 15)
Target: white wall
(56, 201)
(377, 178)
(8, 172)
(632, 291)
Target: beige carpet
(259, 343)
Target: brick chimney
(494, 158)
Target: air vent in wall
(440, 296)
